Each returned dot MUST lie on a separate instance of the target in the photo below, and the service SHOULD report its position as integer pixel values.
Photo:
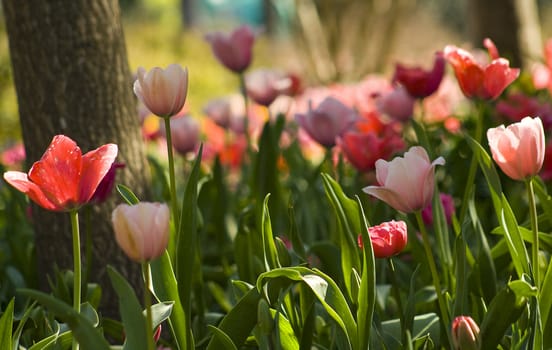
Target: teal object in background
(241, 11)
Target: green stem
(147, 304)
(470, 183)
(535, 230)
(243, 90)
(88, 249)
(434, 274)
(396, 291)
(76, 266)
(172, 182)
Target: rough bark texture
(513, 25)
(72, 77)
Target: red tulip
(406, 183)
(234, 50)
(363, 149)
(64, 179)
(418, 82)
(142, 230)
(388, 238)
(327, 121)
(518, 149)
(465, 333)
(481, 81)
(162, 91)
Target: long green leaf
(186, 247)
(223, 338)
(239, 322)
(367, 294)
(347, 214)
(88, 337)
(131, 312)
(165, 289)
(269, 247)
(6, 323)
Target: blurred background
(322, 41)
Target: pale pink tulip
(185, 134)
(406, 183)
(264, 85)
(397, 104)
(162, 91)
(519, 148)
(233, 50)
(327, 121)
(142, 230)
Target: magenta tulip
(327, 121)
(418, 82)
(141, 230)
(233, 50)
(519, 148)
(162, 91)
(406, 183)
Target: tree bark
(513, 25)
(72, 77)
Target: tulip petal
(498, 75)
(21, 182)
(95, 165)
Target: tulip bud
(234, 50)
(142, 230)
(388, 238)
(465, 333)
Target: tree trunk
(72, 77)
(513, 25)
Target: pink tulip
(329, 120)
(220, 111)
(388, 238)
(162, 91)
(518, 149)
(141, 230)
(397, 104)
(233, 50)
(184, 133)
(448, 207)
(264, 85)
(465, 333)
(406, 183)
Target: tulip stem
(535, 230)
(473, 165)
(397, 292)
(434, 274)
(243, 90)
(172, 182)
(76, 267)
(147, 304)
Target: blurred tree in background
(71, 75)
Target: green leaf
(6, 323)
(423, 324)
(239, 322)
(186, 249)
(165, 289)
(270, 252)
(504, 212)
(88, 337)
(285, 335)
(131, 312)
(545, 302)
(505, 308)
(367, 294)
(49, 340)
(223, 339)
(127, 194)
(161, 312)
(347, 214)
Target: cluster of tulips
(65, 180)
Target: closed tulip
(185, 134)
(476, 80)
(397, 104)
(327, 121)
(388, 238)
(233, 50)
(265, 85)
(406, 183)
(141, 230)
(419, 82)
(465, 333)
(162, 91)
(64, 179)
(519, 148)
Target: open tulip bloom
(64, 179)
